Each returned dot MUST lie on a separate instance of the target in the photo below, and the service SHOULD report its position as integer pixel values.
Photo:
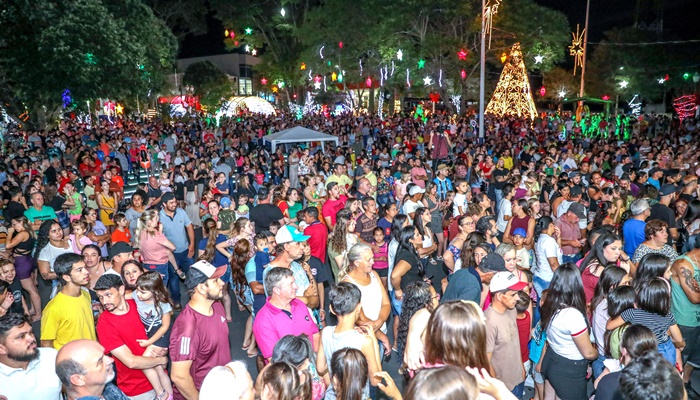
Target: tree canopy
(91, 48)
(210, 83)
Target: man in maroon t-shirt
(119, 329)
(199, 338)
(335, 203)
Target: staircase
(130, 184)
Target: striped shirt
(658, 324)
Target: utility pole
(585, 52)
(482, 76)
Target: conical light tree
(512, 95)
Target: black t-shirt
(609, 387)
(664, 213)
(263, 215)
(16, 289)
(499, 172)
(462, 286)
(14, 209)
(319, 270)
(56, 203)
(50, 175)
(415, 273)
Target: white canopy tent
(297, 135)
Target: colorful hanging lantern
(605, 97)
(232, 34)
(226, 33)
(543, 91)
(334, 76)
(340, 44)
(463, 74)
(368, 81)
(504, 57)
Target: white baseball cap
(506, 280)
(287, 234)
(415, 190)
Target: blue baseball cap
(520, 231)
(225, 202)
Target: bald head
(83, 367)
(364, 186)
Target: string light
(321, 51)
(512, 95)
(576, 48)
(685, 106)
(440, 78)
(408, 78)
(490, 11)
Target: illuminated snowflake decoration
(576, 48)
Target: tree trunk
(370, 108)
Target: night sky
(679, 18)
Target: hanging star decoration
(263, 81)
(249, 31)
(539, 58)
(421, 63)
(462, 54)
(576, 48)
(490, 11)
(317, 85)
(427, 81)
(119, 109)
(662, 81)
(303, 66)
(399, 55)
(254, 52)
(247, 49)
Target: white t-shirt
(546, 247)
(600, 319)
(51, 252)
(460, 200)
(409, 207)
(563, 328)
(505, 207)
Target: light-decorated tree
(513, 95)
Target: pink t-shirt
(83, 240)
(418, 172)
(271, 324)
(152, 249)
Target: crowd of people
(554, 254)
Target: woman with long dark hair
(298, 351)
(241, 289)
(652, 266)
(420, 301)
(569, 348)
(607, 250)
(20, 242)
(50, 244)
(548, 254)
(350, 374)
(612, 277)
(521, 219)
(208, 251)
(421, 220)
(408, 267)
(282, 381)
(341, 240)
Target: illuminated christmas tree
(512, 95)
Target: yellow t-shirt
(68, 318)
(342, 180)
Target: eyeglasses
(468, 223)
